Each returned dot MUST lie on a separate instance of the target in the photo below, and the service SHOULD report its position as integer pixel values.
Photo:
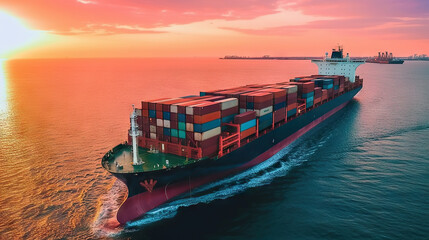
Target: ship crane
(134, 133)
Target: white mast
(134, 133)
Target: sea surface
(362, 174)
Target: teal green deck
(123, 156)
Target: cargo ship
(178, 144)
(385, 58)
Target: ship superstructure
(337, 64)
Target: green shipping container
(182, 134)
(182, 126)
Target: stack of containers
(327, 84)
(291, 99)
(183, 119)
(306, 92)
(206, 127)
(247, 122)
(324, 95)
(229, 108)
(336, 85)
(341, 88)
(317, 95)
(262, 104)
(279, 103)
(170, 119)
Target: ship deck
(120, 160)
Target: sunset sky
(188, 28)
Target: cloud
(63, 16)
(399, 28)
(86, 2)
(256, 17)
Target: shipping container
(201, 136)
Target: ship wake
(277, 166)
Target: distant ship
(178, 144)
(385, 58)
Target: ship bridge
(338, 65)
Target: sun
(14, 34)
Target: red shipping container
(229, 111)
(200, 119)
(210, 151)
(181, 107)
(247, 132)
(145, 105)
(189, 118)
(317, 100)
(145, 120)
(174, 124)
(279, 115)
(159, 114)
(159, 131)
(158, 107)
(152, 121)
(209, 142)
(174, 140)
(190, 136)
(317, 92)
(330, 92)
(259, 97)
(145, 113)
(173, 116)
(206, 108)
(244, 117)
(261, 105)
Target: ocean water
(362, 174)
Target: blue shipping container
(247, 125)
(328, 81)
(279, 105)
(229, 118)
(325, 86)
(206, 126)
(250, 105)
(266, 117)
(181, 117)
(166, 115)
(291, 112)
(174, 133)
(307, 95)
(265, 124)
(166, 131)
(152, 113)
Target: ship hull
(174, 183)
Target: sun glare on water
(14, 35)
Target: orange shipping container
(206, 118)
(248, 132)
